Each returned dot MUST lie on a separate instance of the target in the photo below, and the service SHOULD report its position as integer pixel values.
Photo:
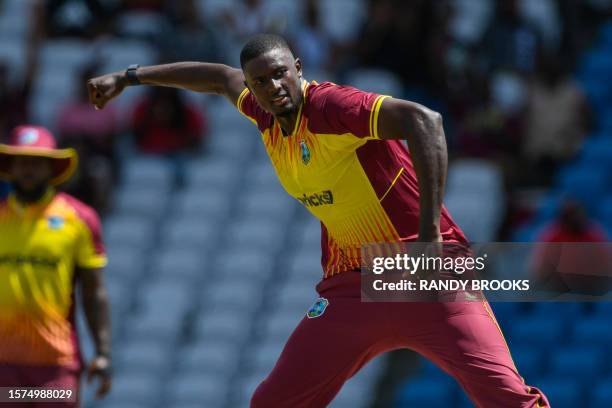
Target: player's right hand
(104, 88)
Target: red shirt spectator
(164, 123)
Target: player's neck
(31, 197)
(287, 122)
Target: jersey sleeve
(90, 253)
(247, 105)
(349, 110)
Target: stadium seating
(561, 392)
(207, 281)
(425, 393)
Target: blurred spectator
(556, 120)
(510, 42)
(164, 123)
(15, 94)
(484, 127)
(93, 134)
(191, 36)
(158, 6)
(85, 18)
(312, 44)
(573, 225)
(5, 188)
(575, 268)
(395, 36)
(13, 99)
(250, 17)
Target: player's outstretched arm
(422, 128)
(195, 76)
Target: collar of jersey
(21, 209)
(305, 86)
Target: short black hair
(260, 44)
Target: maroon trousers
(462, 338)
(54, 377)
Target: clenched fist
(104, 88)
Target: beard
(30, 195)
(292, 110)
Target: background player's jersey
(362, 189)
(40, 246)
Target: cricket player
(49, 243)
(338, 150)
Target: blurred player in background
(49, 243)
(338, 150)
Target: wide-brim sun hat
(37, 141)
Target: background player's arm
(95, 305)
(195, 76)
(422, 128)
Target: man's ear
(298, 67)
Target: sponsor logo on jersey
(28, 137)
(318, 308)
(15, 260)
(317, 199)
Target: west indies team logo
(318, 308)
(305, 152)
(28, 137)
(55, 222)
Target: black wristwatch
(130, 74)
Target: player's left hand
(100, 367)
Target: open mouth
(280, 100)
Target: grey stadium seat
(143, 355)
(376, 80)
(147, 171)
(205, 389)
(130, 231)
(256, 233)
(205, 202)
(185, 262)
(141, 201)
(218, 357)
(223, 325)
(141, 388)
(244, 263)
(216, 172)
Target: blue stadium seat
(603, 309)
(561, 392)
(536, 330)
(604, 212)
(430, 371)
(601, 393)
(584, 183)
(605, 35)
(504, 311)
(597, 151)
(596, 63)
(548, 208)
(593, 330)
(529, 232)
(564, 310)
(424, 393)
(582, 361)
(597, 94)
(529, 361)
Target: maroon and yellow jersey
(40, 247)
(362, 189)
